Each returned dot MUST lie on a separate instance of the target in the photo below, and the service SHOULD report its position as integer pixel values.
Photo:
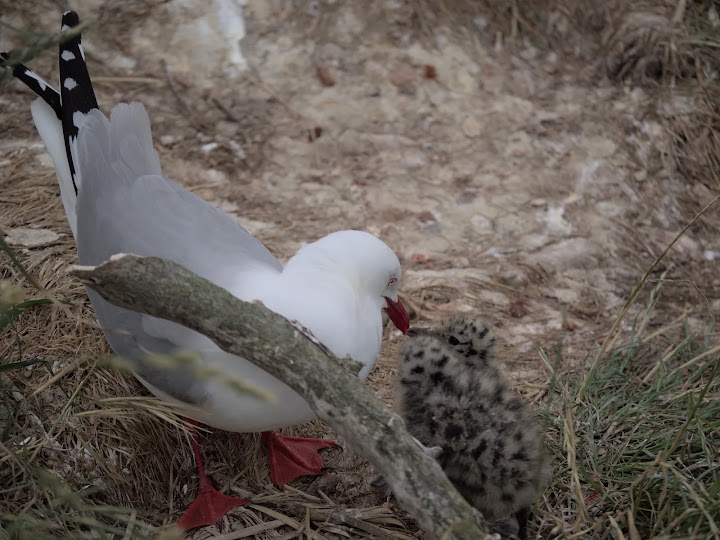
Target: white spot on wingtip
(82, 51)
(42, 83)
(67, 55)
(69, 83)
(64, 27)
(78, 119)
(118, 256)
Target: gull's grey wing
(128, 206)
(125, 205)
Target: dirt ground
(511, 183)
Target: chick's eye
(452, 340)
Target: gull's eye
(392, 281)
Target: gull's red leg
(209, 505)
(292, 457)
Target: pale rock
(513, 275)
(481, 224)
(471, 127)
(609, 209)
(464, 82)
(519, 144)
(494, 297)
(602, 147)
(572, 252)
(564, 295)
(31, 238)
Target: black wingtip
(70, 19)
(75, 85)
(33, 81)
(76, 91)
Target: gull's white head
(361, 259)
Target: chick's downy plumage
(452, 393)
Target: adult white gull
(117, 201)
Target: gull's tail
(57, 116)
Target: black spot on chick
(437, 378)
(483, 333)
(479, 450)
(448, 386)
(453, 431)
(518, 436)
(464, 487)
(507, 497)
(520, 455)
(443, 361)
(417, 370)
(419, 354)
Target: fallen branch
(167, 290)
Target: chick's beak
(398, 314)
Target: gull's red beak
(398, 315)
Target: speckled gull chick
(452, 395)
(118, 201)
